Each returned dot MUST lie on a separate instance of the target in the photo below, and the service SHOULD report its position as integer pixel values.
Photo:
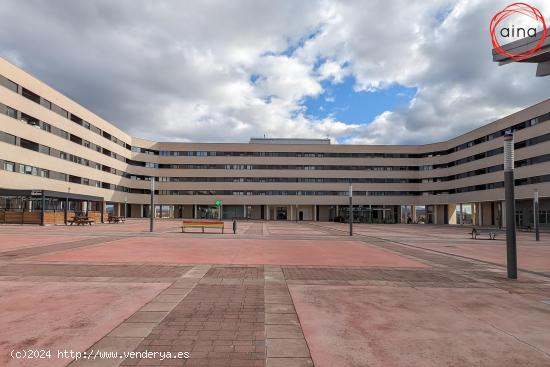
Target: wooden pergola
(47, 207)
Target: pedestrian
(234, 226)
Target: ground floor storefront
(485, 214)
(50, 207)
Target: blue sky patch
(344, 104)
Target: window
(27, 144)
(30, 120)
(11, 112)
(45, 126)
(44, 173)
(60, 111)
(75, 179)
(44, 102)
(9, 166)
(28, 170)
(30, 95)
(8, 84)
(76, 119)
(44, 149)
(7, 138)
(75, 139)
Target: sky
(357, 72)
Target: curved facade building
(54, 151)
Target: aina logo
(521, 12)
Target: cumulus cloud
(227, 71)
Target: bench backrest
(202, 223)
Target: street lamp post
(511, 252)
(67, 204)
(126, 206)
(536, 215)
(152, 211)
(350, 209)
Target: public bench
(115, 219)
(483, 231)
(201, 224)
(81, 221)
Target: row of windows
(284, 193)
(44, 126)
(36, 171)
(11, 139)
(27, 144)
(59, 132)
(60, 111)
(26, 169)
(49, 105)
(54, 175)
(482, 155)
(178, 153)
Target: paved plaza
(276, 294)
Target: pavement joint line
(32, 251)
(144, 331)
(285, 341)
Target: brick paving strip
(129, 334)
(143, 273)
(285, 343)
(214, 313)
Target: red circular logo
(524, 10)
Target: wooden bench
(201, 224)
(80, 221)
(115, 219)
(481, 231)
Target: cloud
(226, 71)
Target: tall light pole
(511, 252)
(126, 206)
(67, 204)
(350, 209)
(536, 214)
(152, 211)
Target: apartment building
(57, 157)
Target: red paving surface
(391, 311)
(532, 255)
(236, 251)
(17, 241)
(66, 315)
(398, 326)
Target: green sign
(218, 202)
